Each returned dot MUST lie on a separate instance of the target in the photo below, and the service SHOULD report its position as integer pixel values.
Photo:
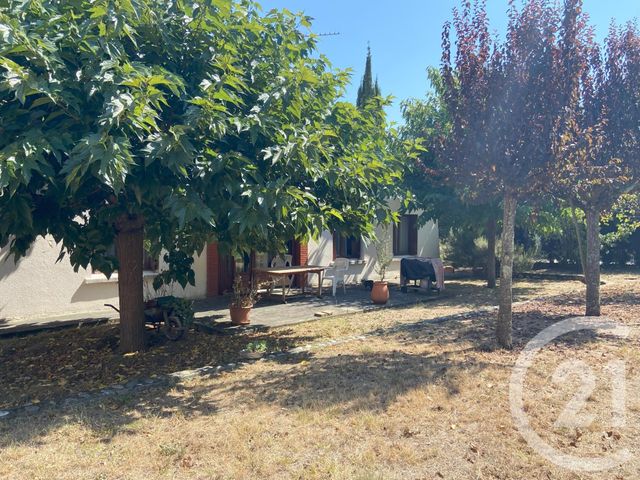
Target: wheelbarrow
(160, 314)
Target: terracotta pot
(240, 315)
(380, 293)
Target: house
(37, 287)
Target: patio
(271, 312)
(212, 314)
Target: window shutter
(396, 239)
(357, 248)
(413, 234)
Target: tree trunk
(504, 325)
(592, 270)
(583, 257)
(129, 246)
(491, 251)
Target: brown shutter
(357, 248)
(213, 270)
(396, 238)
(413, 234)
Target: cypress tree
(367, 89)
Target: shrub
(463, 247)
(524, 260)
(182, 308)
(259, 346)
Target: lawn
(415, 399)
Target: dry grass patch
(409, 403)
(52, 365)
(462, 296)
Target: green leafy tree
(622, 221)
(621, 231)
(558, 227)
(561, 231)
(427, 122)
(178, 123)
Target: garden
(408, 393)
(207, 135)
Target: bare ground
(410, 403)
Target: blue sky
(405, 35)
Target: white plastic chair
(336, 273)
(281, 262)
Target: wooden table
(286, 272)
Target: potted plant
(384, 257)
(254, 350)
(242, 300)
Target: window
(405, 236)
(150, 263)
(346, 247)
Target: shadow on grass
(629, 298)
(473, 295)
(476, 330)
(365, 382)
(56, 365)
(344, 384)
(359, 380)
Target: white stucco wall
(38, 287)
(321, 253)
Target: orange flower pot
(240, 315)
(380, 293)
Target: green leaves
(205, 119)
(106, 158)
(24, 158)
